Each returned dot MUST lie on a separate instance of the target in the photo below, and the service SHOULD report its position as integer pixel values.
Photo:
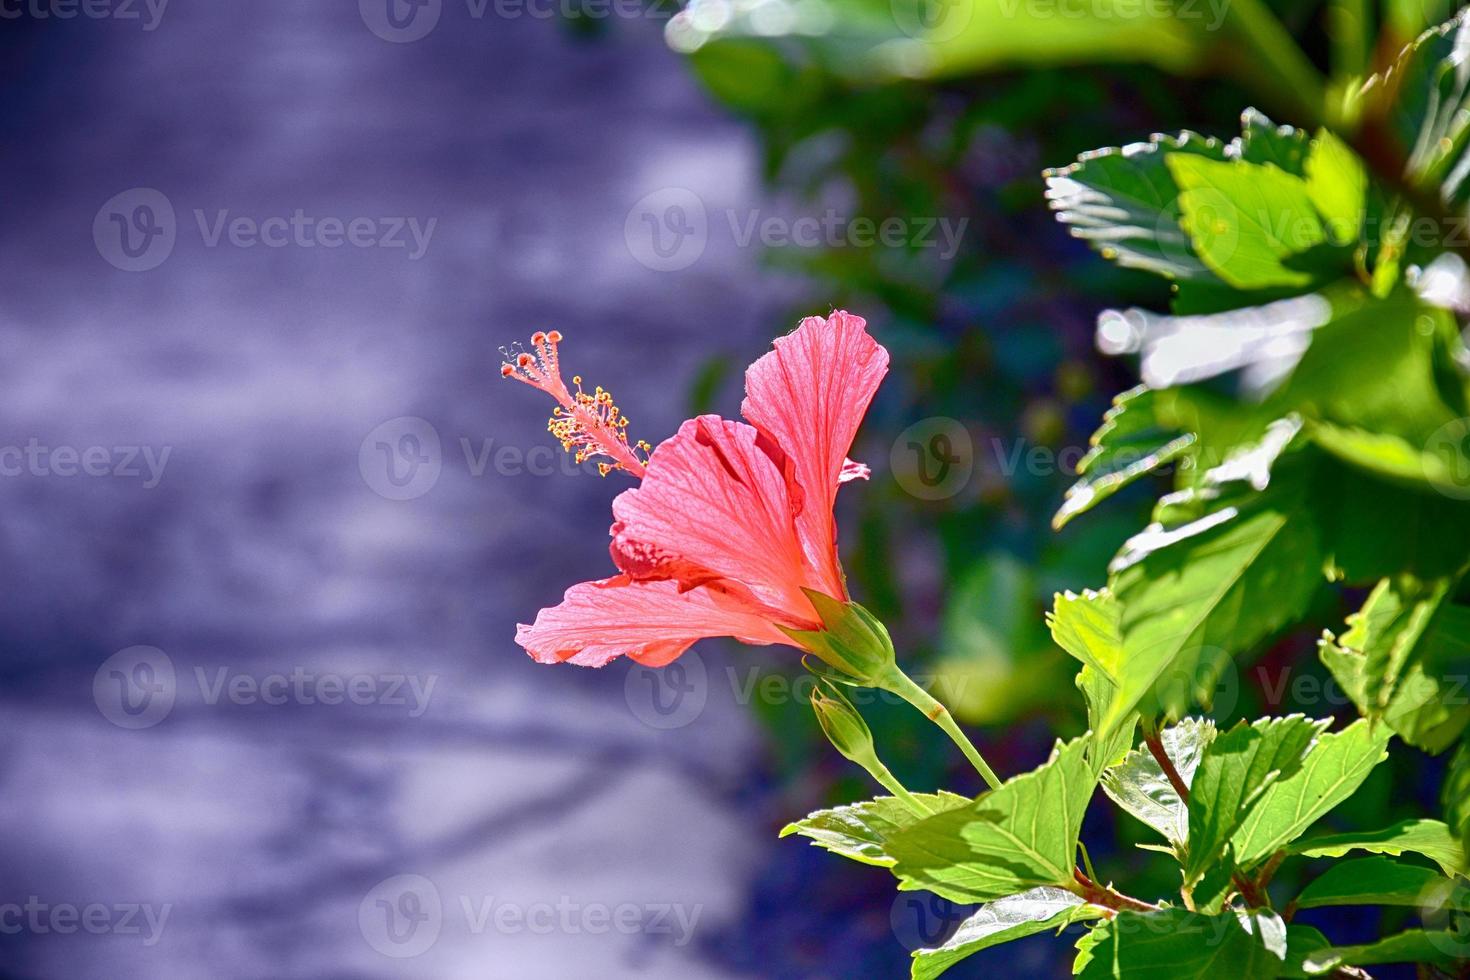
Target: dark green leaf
(1124, 202)
(1174, 943)
(1429, 838)
(1374, 881)
(1414, 946)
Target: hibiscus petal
(652, 622)
(714, 510)
(809, 395)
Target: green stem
(903, 685)
(1268, 60)
(888, 781)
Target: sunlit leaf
(861, 831)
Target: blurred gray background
(200, 547)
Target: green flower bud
(851, 641)
(842, 724)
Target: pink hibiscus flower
(731, 530)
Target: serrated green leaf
(1428, 84)
(1236, 770)
(1138, 784)
(1372, 366)
(1392, 663)
(1246, 220)
(1262, 141)
(1333, 769)
(1007, 841)
(1337, 185)
(1414, 946)
(1123, 202)
(1086, 626)
(1375, 881)
(1174, 943)
(1196, 592)
(1130, 443)
(1000, 921)
(1429, 838)
(860, 831)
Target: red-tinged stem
(1106, 897)
(1255, 896)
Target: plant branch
(1254, 895)
(1106, 896)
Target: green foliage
(1176, 942)
(1018, 837)
(1013, 917)
(1304, 413)
(1333, 768)
(1374, 881)
(1428, 838)
(862, 831)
